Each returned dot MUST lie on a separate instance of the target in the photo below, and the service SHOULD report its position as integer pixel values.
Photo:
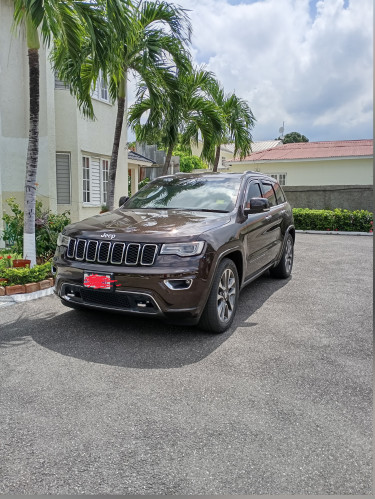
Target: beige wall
(61, 128)
(80, 136)
(356, 171)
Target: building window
(63, 183)
(100, 91)
(279, 177)
(59, 84)
(105, 174)
(86, 179)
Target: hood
(147, 225)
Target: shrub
(340, 220)
(26, 275)
(47, 228)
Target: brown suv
(181, 248)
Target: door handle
(269, 217)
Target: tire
(222, 302)
(284, 268)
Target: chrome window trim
(126, 255)
(122, 254)
(155, 252)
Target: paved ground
(94, 403)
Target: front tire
(222, 302)
(284, 268)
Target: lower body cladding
(175, 298)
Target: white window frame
(276, 176)
(104, 178)
(100, 91)
(86, 160)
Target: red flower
(1, 257)
(9, 257)
(370, 230)
(371, 222)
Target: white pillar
(134, 179)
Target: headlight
(182, 249)
(63, 240)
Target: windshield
(195, 193)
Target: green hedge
(340, 220)
(26, 275)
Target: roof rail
(251, 171)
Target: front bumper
(140, 291)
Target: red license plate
(98, 281)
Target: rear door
(273, 235)
(255, 232)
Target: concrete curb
(27, 296)
(334, 232)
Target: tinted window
(253, 192)
(279, 194)
(193, 193)
(269, 193)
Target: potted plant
(104, 209)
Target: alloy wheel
(226, 295)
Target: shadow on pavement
(128, 341)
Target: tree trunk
(29, 249)
(167, 161)
(217, 158)
(116, 144)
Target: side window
(253, 191)
(269, 194)
(280, 197)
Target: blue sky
(305, 62)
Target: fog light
(178, 284)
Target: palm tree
(149, 41)
(54, 19)
(239, 120)
(179, 114)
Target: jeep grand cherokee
(181, 248)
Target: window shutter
(60, 85)
(95, 181)
(63, 178)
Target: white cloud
(314, 74)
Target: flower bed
(24, 280)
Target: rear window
(269, 194)
(280, 196)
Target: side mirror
(122, 200)
(257, 205)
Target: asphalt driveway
(96, 403)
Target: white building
(74, 153)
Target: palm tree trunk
(167, 161)
(116, 144)
(29, 249)
(217, 158)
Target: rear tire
(284, 268)
(222, 302)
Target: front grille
(117, 253)
(105, 298)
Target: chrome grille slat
(92, 248)
(80, 249)
(71, 248)
(132, 254)
(104, 249)
(148, 254)
(114, 253)
(117, 253)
